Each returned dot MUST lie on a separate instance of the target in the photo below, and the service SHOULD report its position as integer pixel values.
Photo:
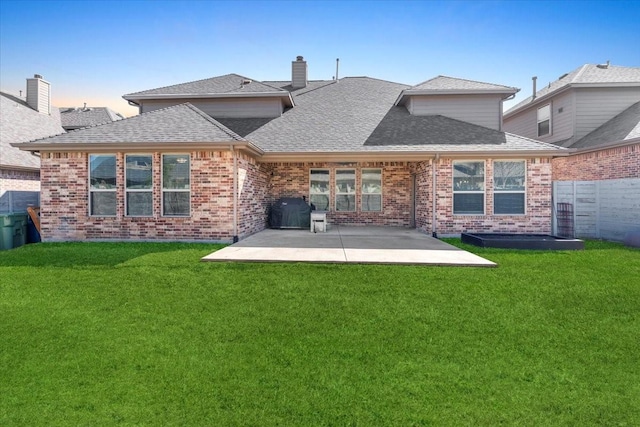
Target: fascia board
(408, 93)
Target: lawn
(145, 334)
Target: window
(346, 190)
(468, 188)
(319, 189)
(371, 190)
(102, 184)
(138, 185)
(176, 190)
(544, 120)
(509, 187)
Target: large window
(138, 185)
(468, 188)
(509, 187)
(102, 184)
(371, 190)
(176, 186)
(319, 189)
(346, 190)
(544, 120)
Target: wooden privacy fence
(605, 209)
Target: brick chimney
(299, 73)
(39, 94)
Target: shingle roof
(20, 123)
(588, 74)
(180, 123)
(87, 116)
(453, 83)
(358, 115)
(227, 84)
(622, 127)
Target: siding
(596, 106)
(38, 95)
(526, 122)
(226, 108)
(483, 110)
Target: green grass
(145, 334)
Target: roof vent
(563, 76)
(603, 66)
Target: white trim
(137, 190)
(328, 195)
(355, 189)
(524, 191)
(362, 193)
(162, 189)
(99, 190)
(538, 121)
(483, 192)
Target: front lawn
(145, 334)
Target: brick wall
(537, 218)
(292, 180)
(19, 180)
(612, 163)
(65, 201)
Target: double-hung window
(468, 188)
(102, 184)
(544, 120)
(346, 190)
(139, 185)
(176, 185)
(509, 187)
(371, 190)
(319, 189)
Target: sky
(96, 51)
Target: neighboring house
(205, 159)
(79, 117)
(594, 110)
(21, 121)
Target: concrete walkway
(344, 244)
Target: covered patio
(348, 244)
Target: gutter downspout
(434, 203)
(235, 194)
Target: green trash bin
(13, 231)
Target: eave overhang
(284, 95)
(545, 98)
(410, 92)
(103, 147)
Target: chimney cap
(299, 58)
(37, 76)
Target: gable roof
(445, 85)
(229, 85)
(87, 116)
(623, 127)
(588, 75)
(20, 123)
(181, 126)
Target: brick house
(595, 111)
(205, 159)
(21, 120)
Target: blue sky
(96, 51)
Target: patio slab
(348, 244)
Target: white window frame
(538, 121)
(136, 190)
(99, 190)
(483, 192)
(172, 190)
(327, 193)
(523, 191)
(353, 192)
(363, 193)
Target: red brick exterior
(65, 198)
(537, 217)
(19, 180)
(607, 163)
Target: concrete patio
(348, 244)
